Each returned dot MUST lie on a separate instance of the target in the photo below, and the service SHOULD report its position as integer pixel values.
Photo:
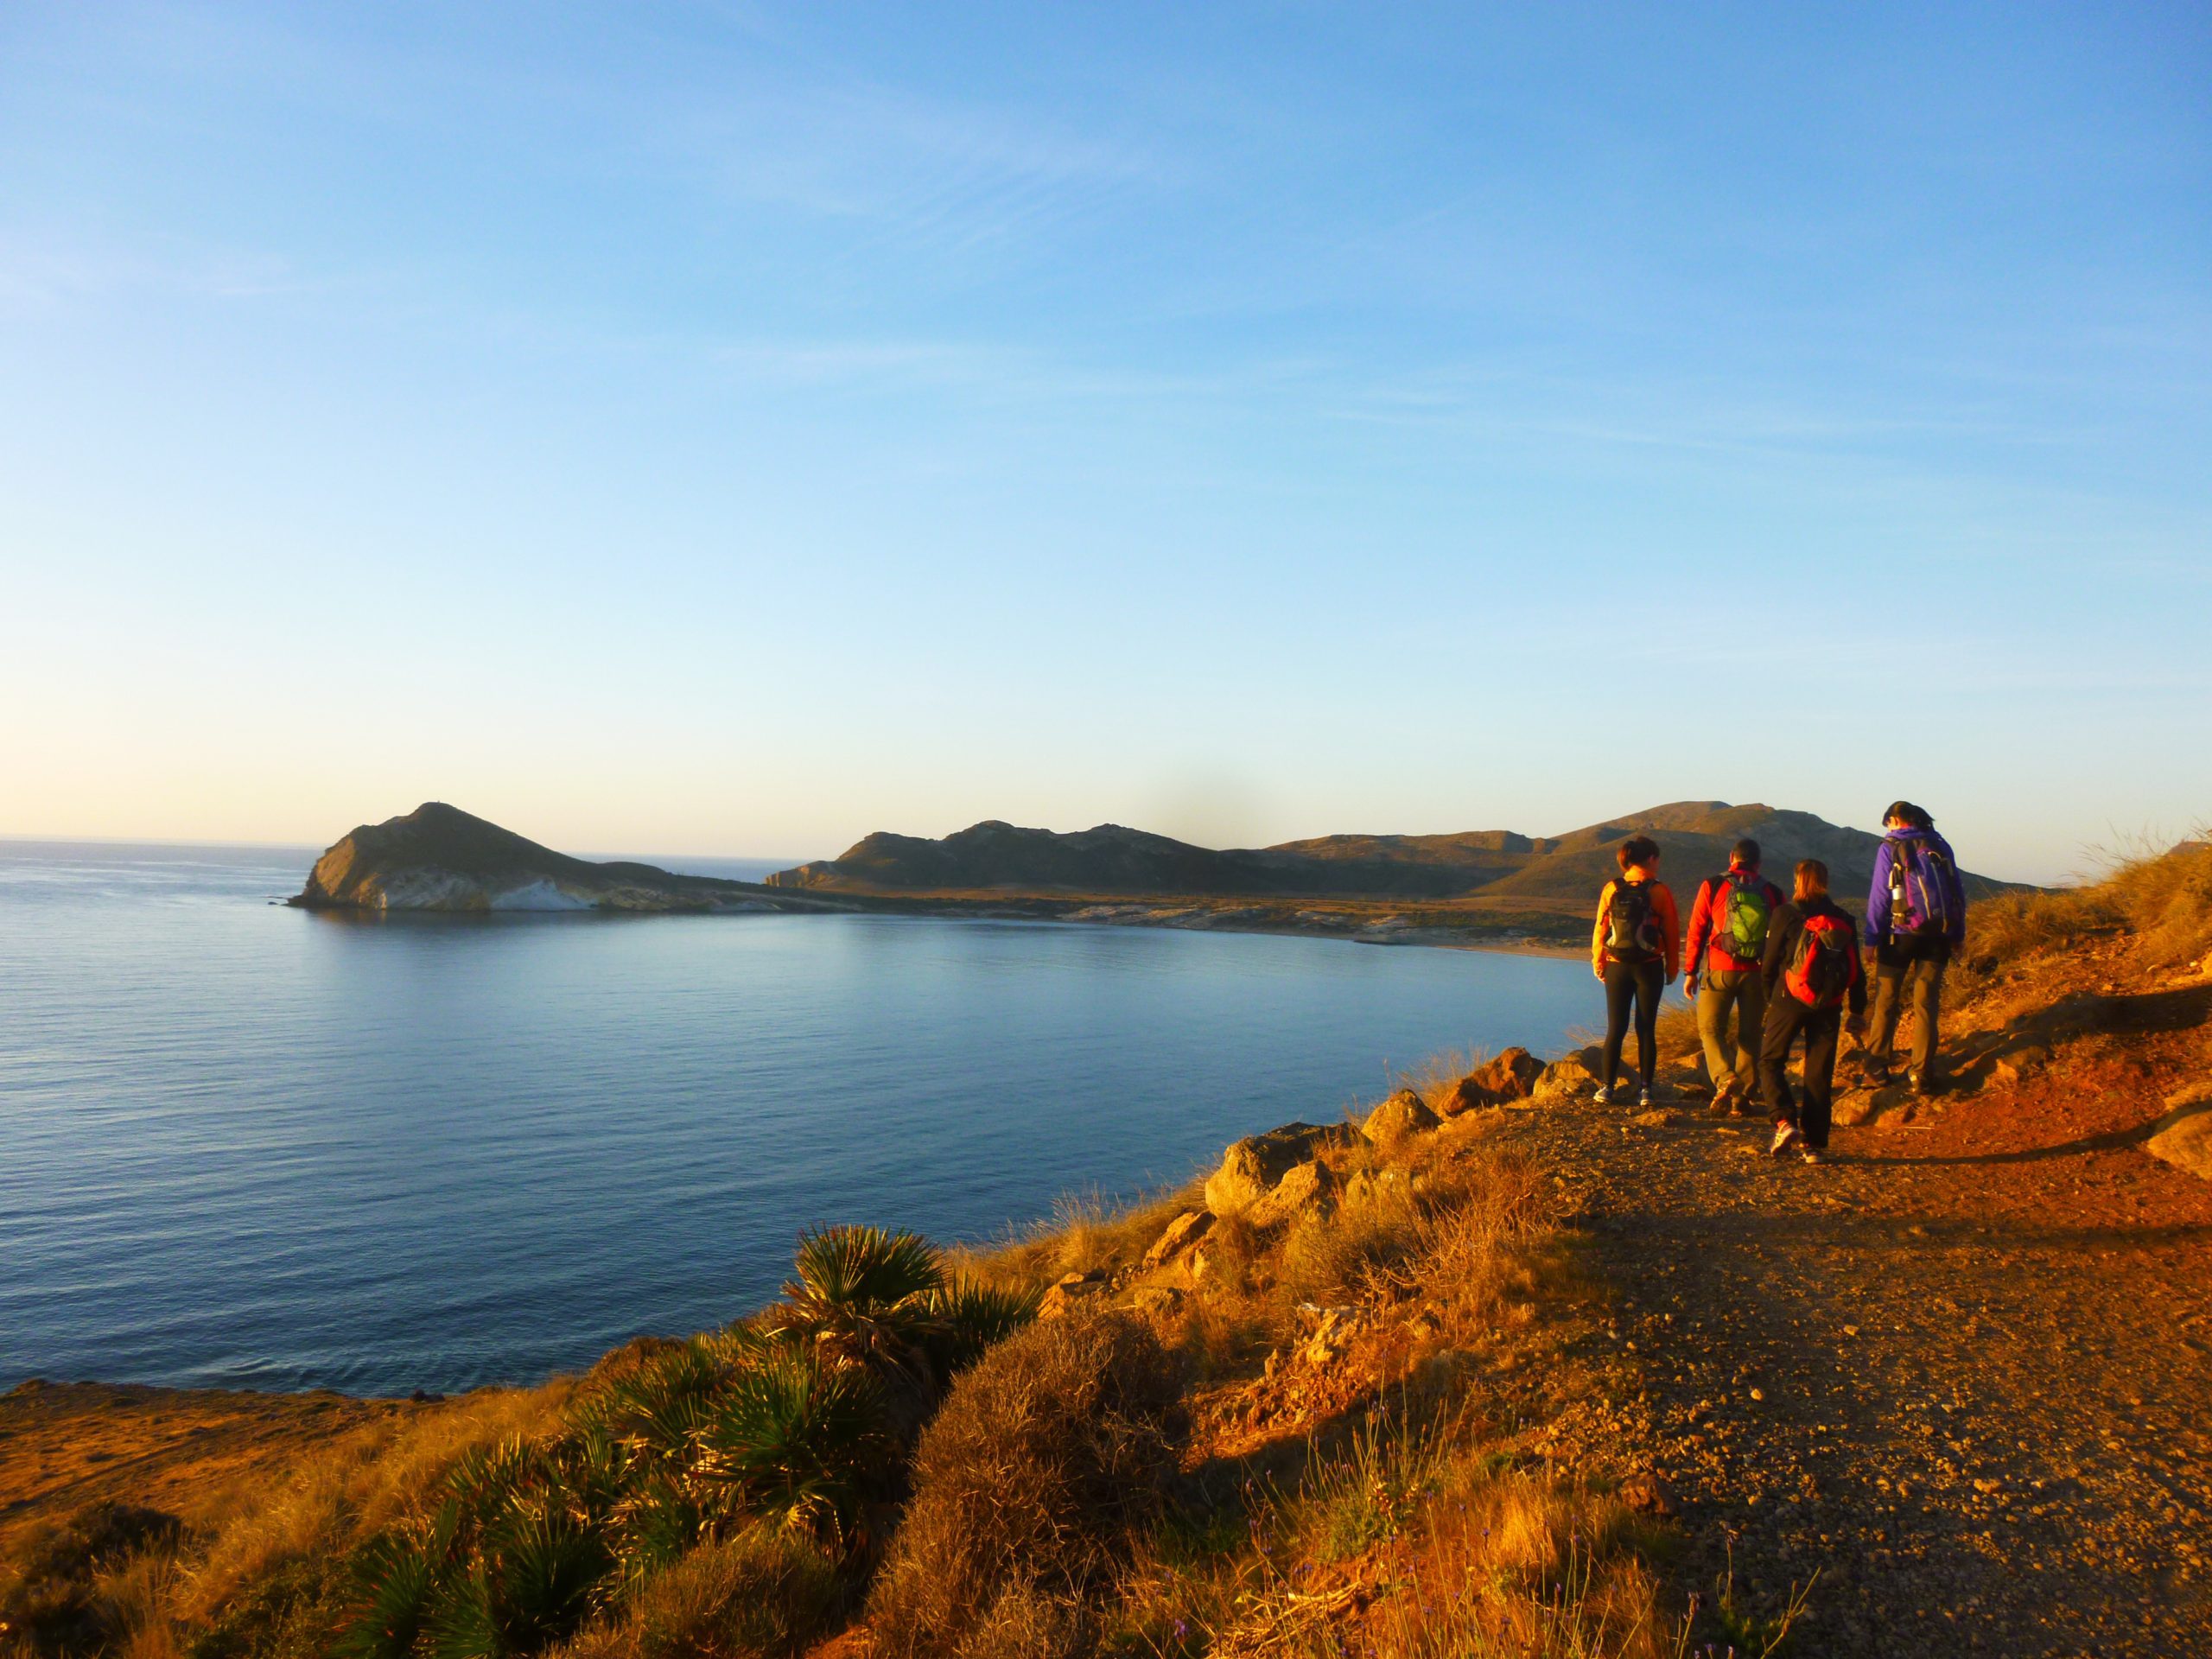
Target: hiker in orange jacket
(1635, 949)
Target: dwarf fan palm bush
(798, 1443)
(657, 1410)
(883, 1302)
(534, 1580)
(861, 1297)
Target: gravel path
(1964, 1373)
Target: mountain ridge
(1111, 859)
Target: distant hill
(1532, 872)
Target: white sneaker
(1812, 1155)
(1603, 1096)
(1644, 1099)
(1785, 1136)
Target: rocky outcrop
(439, 858)
(1250, 1169)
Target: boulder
(1564, 1079)
(2184, 1136)
(1509, 1075)
(1181, 1233)
(1405, 1113)
(1251, 1167)
(1307, 1189)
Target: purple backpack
(1920, 887)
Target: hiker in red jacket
(1811, 969)
(1721, 972)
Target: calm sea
(250, 1146)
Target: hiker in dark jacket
(1917, 921)
(1721, 972)
(1811, 971)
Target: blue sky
(722, 428)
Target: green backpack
(1744, 912)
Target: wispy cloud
(44, 275)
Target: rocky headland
(439, 858)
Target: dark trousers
(1901, 973)
(1785, 1018)
(1639, 982)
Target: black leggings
(1641, 983)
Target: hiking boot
(1813, 1154)
(1919, 1083)
(1785, 1136)
(1725, 1098)
(1644, 1100)
(1603, 1096)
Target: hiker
(1721, 973)
(1811, 969)
(1917, 921)
(1633, 948)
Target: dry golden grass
(763, 1594)
(251, 1529)
(1085, 1232)
(2161, 898)
(1048, 1457)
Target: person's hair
(1812, 878)
(1639, 850)
(1745, 853)
(1913, 817)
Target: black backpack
(1631, 926)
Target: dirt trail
(1964, 1372)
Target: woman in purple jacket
(1916, 920)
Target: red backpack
(1824, 964)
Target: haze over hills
(1539, 871)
